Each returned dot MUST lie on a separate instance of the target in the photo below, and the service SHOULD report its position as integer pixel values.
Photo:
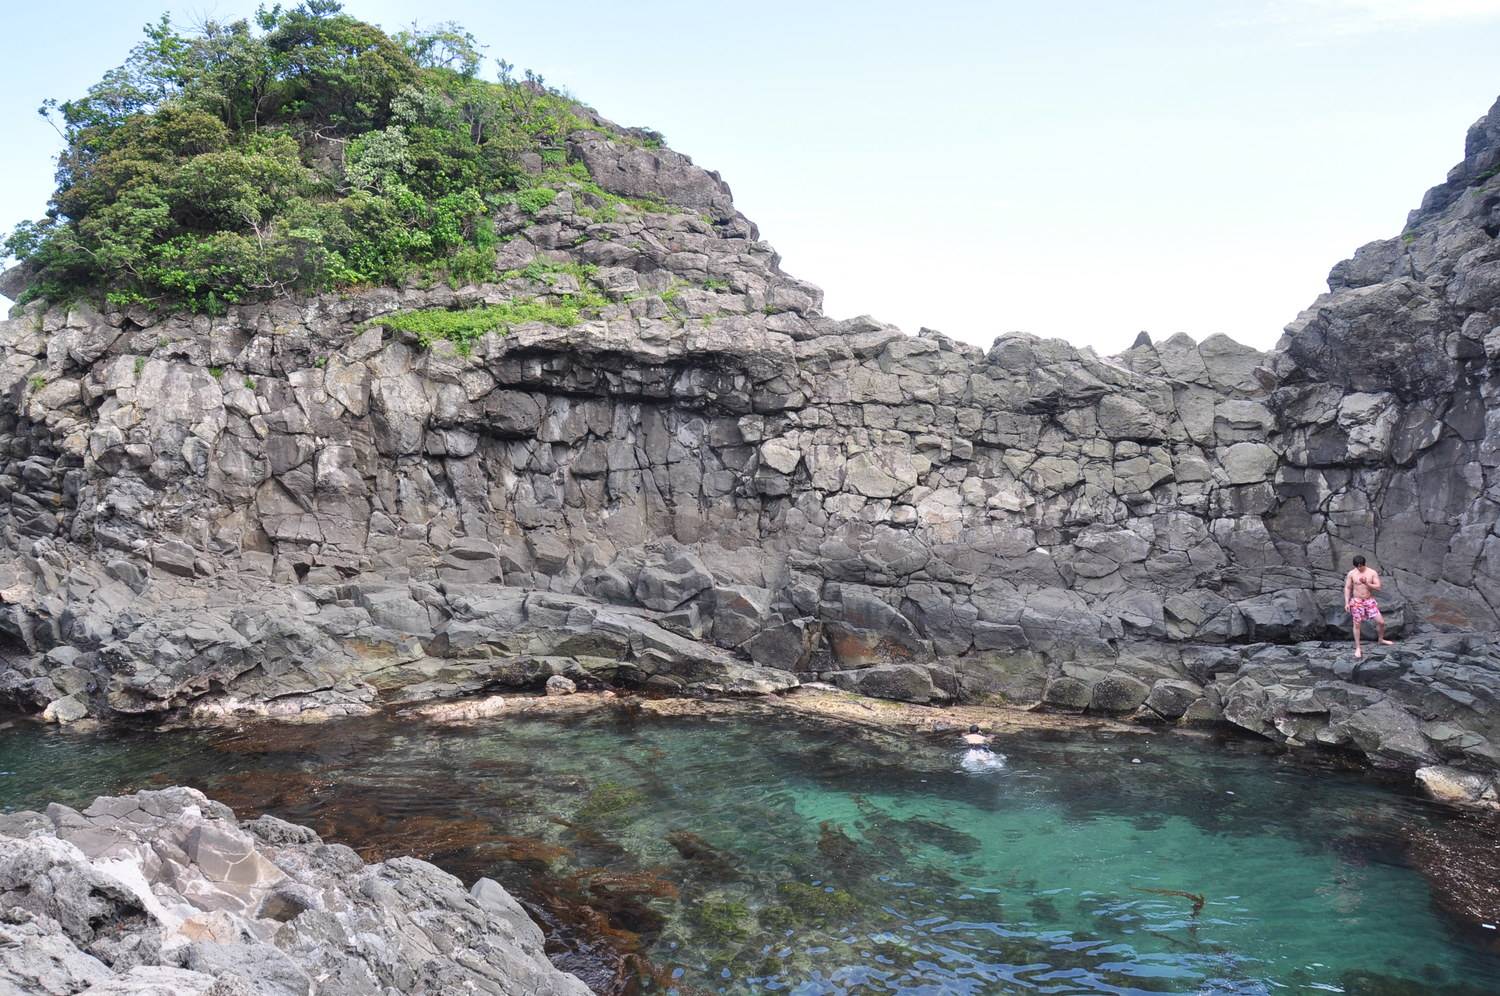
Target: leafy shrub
(304, 151)
(546, 271)
(533, 199)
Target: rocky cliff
(705, 483)
(166, 893)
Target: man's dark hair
(1359, 560)
(974, 728)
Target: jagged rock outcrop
(165, 892)
(712, 485)
(1389, 404)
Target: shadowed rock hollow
(708, 484)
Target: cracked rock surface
(164, 892)
(710, 485)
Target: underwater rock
(1363, 982)
(705, 858)
(608, 802)
(1462, 864)
(723, 919)
(613, 919)
(529, 850)
(815, 904)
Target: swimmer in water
(978, 755)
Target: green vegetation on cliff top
(304, 151)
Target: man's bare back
(1360, 586)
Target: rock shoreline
(165, 892)
(713, 488)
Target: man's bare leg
(1357, 651)
(1380, 632)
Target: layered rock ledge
(164, 892)
(711, 486)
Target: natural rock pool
(750, 854)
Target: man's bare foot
(1387, 643)
(1358, 652)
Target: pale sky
(1075, 169)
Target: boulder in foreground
(166, 892)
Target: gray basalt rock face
(165, 892)
(1389, 405)
(713, 486)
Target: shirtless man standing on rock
(1360, 586)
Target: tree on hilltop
(297, 151)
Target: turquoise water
(762, 855)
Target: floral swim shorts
(1364, 608)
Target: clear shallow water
(753, 855)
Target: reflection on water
(753, 856)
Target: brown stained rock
(703, 856)
(527, 850)
(1461, 862)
